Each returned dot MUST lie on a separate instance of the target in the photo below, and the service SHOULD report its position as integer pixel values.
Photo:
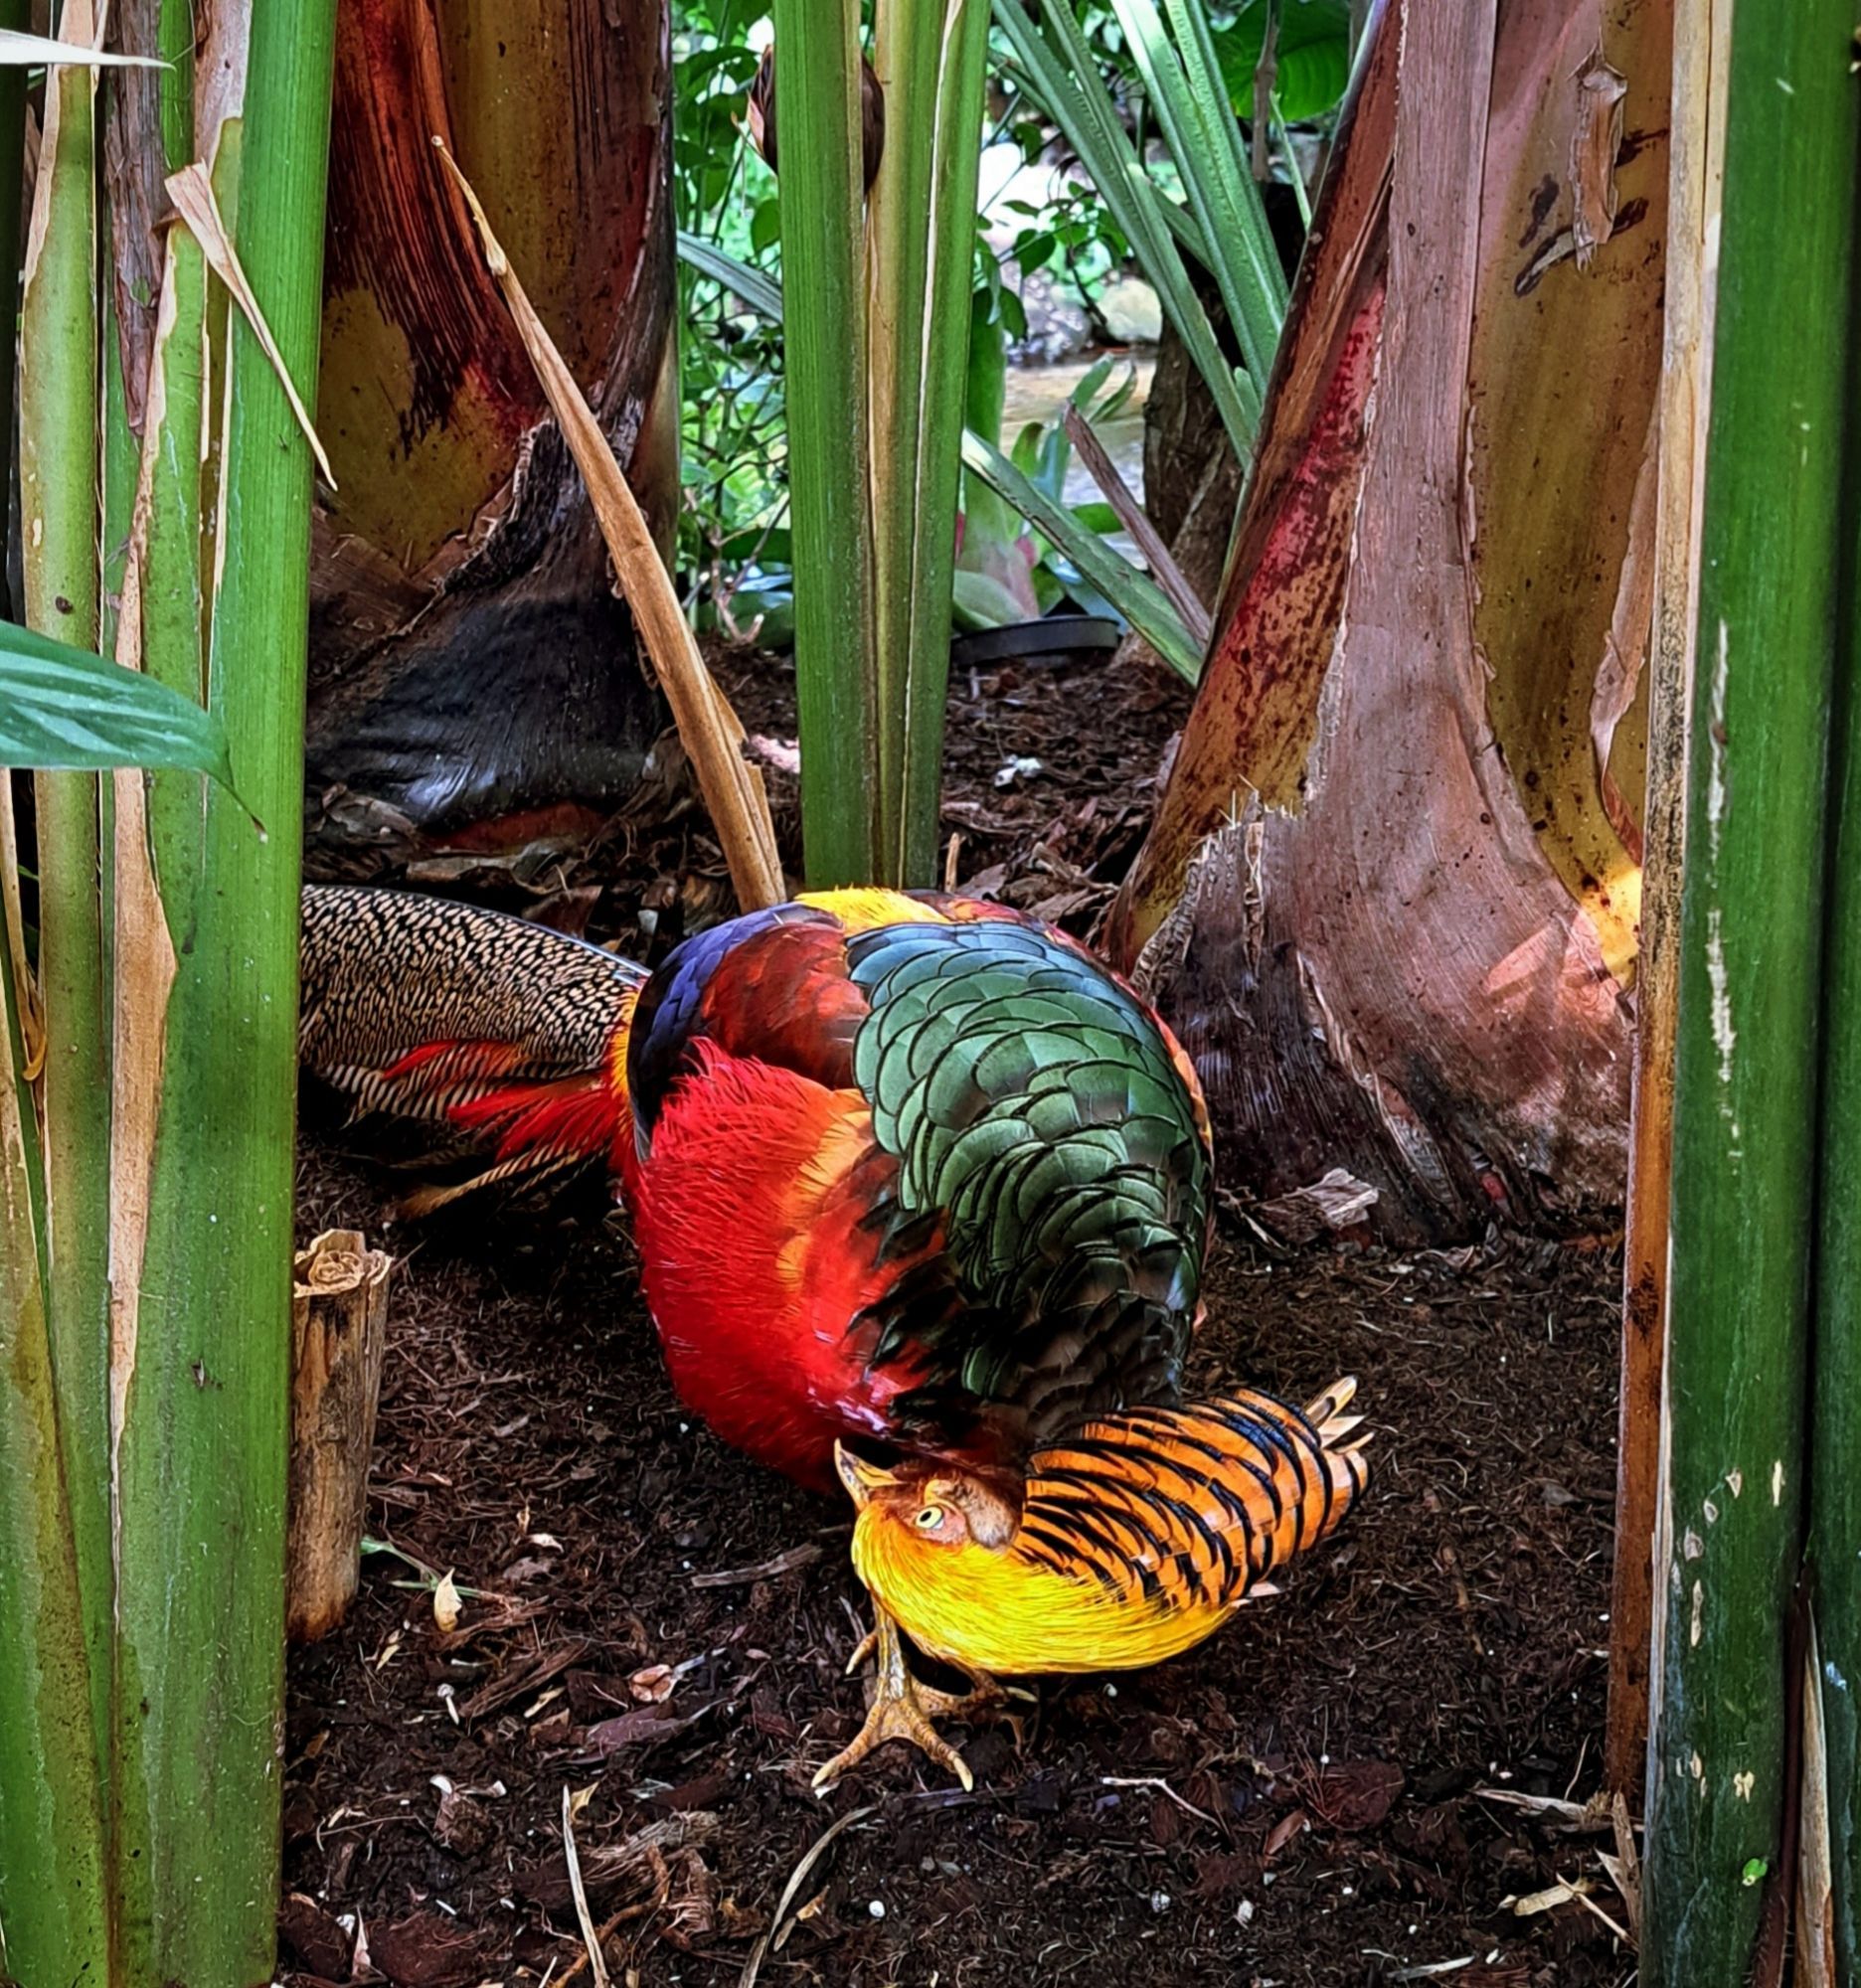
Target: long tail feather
(510, 1033)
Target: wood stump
(339, 1332)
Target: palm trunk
(1389, 896)
(458, 564)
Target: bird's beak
(861, 1478)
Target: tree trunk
(459, 569)
(1391, 895)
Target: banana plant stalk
(58, 479)
(1772, 545)
(1834, 1921)
(877, 316)
(206, 909)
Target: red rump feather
(747, 1220)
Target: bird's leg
(901, 1708)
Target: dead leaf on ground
(1283, 1831)
(646, 1728)
(315, 1937)
(1355, 1795)
(446, 1605)
(429, 1950)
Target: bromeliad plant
(147, 1013)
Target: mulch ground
(659, 1627)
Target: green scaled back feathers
(1034, 1102)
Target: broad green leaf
(66, 709)
(1312, 60)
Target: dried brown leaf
(193, 195)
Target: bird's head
(927, 1505)
(940, 1548)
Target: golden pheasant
(921, 1194)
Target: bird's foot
(903, 1708)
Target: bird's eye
(929, 1516)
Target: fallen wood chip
(1337, 1199)
(649, 1726)
(1547, 1900)
(523, 1677)
(1578, 1818)
(785, 1562)
(631, 1863)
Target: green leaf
(1184, 86)
(65, 709)
(766, 225)
(1057, 68)
(761, 292)
(1313, 61)
(1136, 596)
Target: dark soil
(659, 1627)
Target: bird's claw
(901, 1715)
(901, 1708)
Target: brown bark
(339, 1332)
(457, 567)
(1685, 409)
(1387, 901)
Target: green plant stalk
(202, 1366)
(1834, 1539)
(175, 45)
(53, 1923)
(1134, 595)
(1746, 1067)
(817, 91)
(1132, 592)
(908, 59)
(59, 482)
(15, 15)
(923, 223)
(1152, 224)
(1191, 101)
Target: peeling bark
(1387, 902)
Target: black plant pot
(1053, 641)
